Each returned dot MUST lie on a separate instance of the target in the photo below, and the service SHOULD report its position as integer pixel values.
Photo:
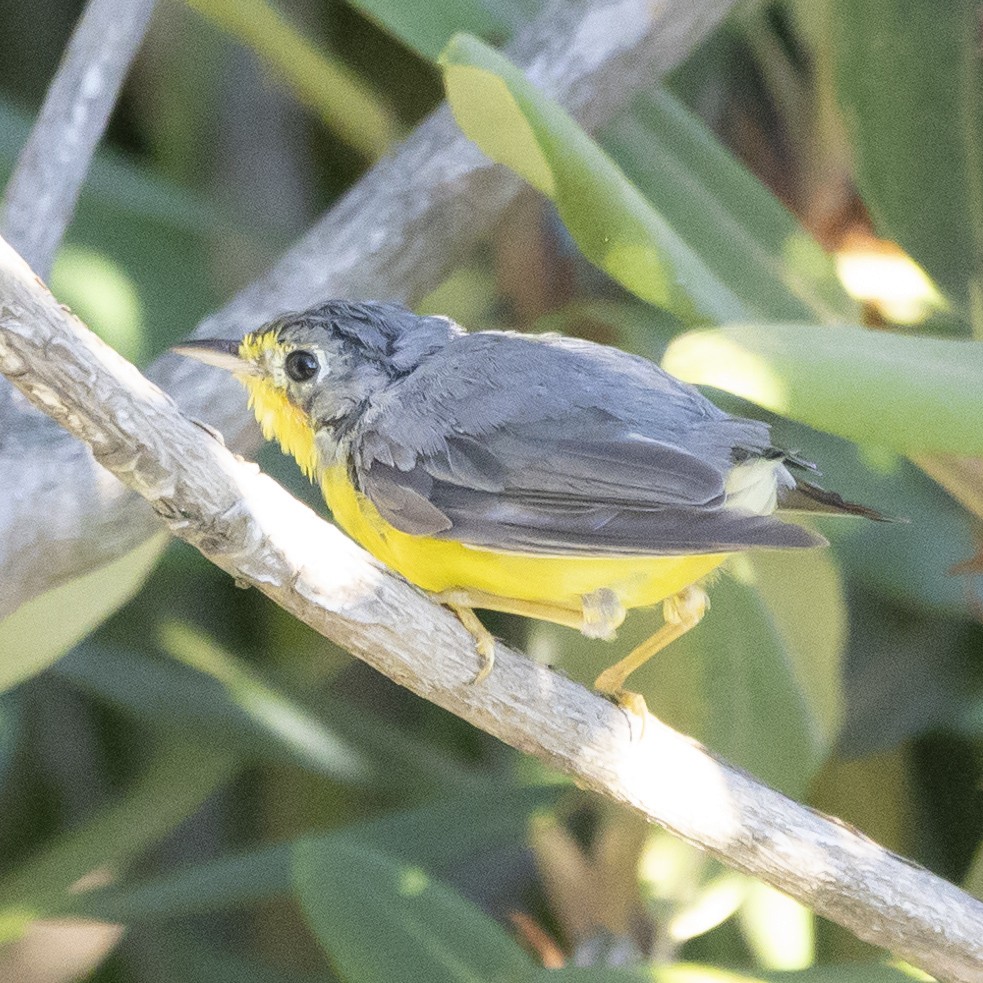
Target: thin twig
(394, 235)
(39, 199)
(251, 528)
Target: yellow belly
(440, 565)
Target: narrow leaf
(433, 836)
(725, 214)
(177, 781)
(159, 692)
(610, 220)
(426, 27)
(344, 101)
(313, 743)
(10, 729)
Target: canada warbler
(533, 474)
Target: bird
(539, 475)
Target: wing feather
(592, 453)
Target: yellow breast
(440, 565)
(280, 419)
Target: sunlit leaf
(780, 931)
(612, 223)
(103, 295)
(914, 395)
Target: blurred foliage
(253, 804)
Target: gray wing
(550, 446)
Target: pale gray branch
(394, 235)
(250, 527)
(39, 200)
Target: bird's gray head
(333, 357)
(316, 369)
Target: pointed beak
(223, 353)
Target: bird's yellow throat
(278, 418)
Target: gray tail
(806, 497)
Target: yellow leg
(598, 615)
(569, 616)
(461, 603)
(682, 612)
(483, 639)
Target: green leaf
(117, 185)
(179, 956)
(434, 836)
(426, 26)
(696, 973)
(848, 973)
(910, 86)
(40, 632)
(591, 974)
(177, 780)
(102, 294)
(726, 215)
(906, 563)
(913, 395)
(10, 730)
(162, 692)
(313, 743)
(779, 931)
(610, 220)
(218, 885)
(380, 919)
(973, 881)
(910, 674)
(758, 680)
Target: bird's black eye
(301, 365)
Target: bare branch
(394, 235)
(37, 206)
(39, 199)
(250, 527)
